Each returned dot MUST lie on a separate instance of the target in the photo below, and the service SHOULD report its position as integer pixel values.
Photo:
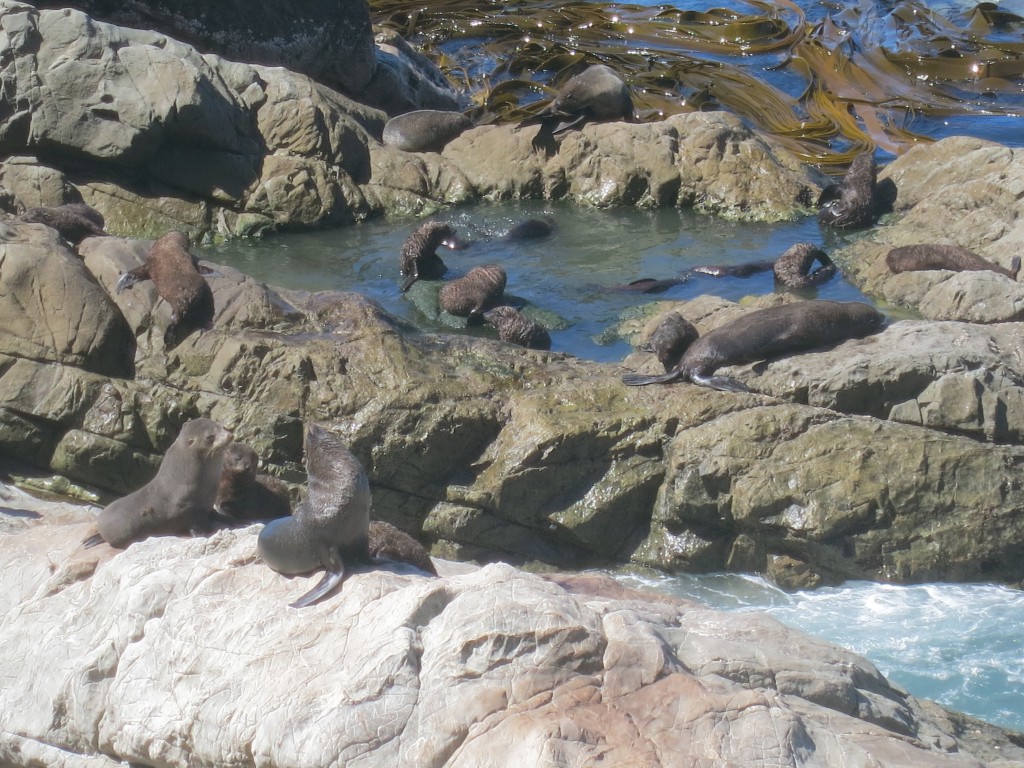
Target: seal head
(671, 337)
(242, 495)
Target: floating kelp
(828, 83)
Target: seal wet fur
(852, 202)
(179, 499)
(330, 527)
(418, 258)
(480, 289)
(174, 272)
(793, 268)
(763, 334)
(910, 258)
(516, 328)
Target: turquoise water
(959, 645)
(568, 273)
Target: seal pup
(424, 130)
(330, 527)
(516, 328)
(793, 268)
(73, 221)
(418, 257)
(478, 290)
(531, 229)
(734, 270)
(179, 499)
(390, 543)
(763, 334)
(242, 495)
(910, 258)
(173, 270)
(670, 339)
(649, 285)
(850, 204)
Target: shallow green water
(568, 273)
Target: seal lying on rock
(390, 543)
(73, 221)
(468, 296)
(923, 256)
(793, 268)
(671, 338)
(763, 334)
(424, 130)
(418, 257)
(330, 528)
(242, 495)
(516, 328)
(178, 281)
(851, 203)
(179, 499)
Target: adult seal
(424, 130)
(418, 257)
(514, 327)
(911, 258)
(763, 334)
(179, 499)
(244, 496)
(477, 291)
(178, 280)
(329, 530)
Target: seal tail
(92, 541)
(330, 582)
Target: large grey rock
(183, 652)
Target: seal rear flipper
(1015, 267)
(131, 277)
(407, 283)
(639, 379)
(94, 540)
(721, 383)
(330, 582)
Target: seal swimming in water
(733, 270)
(418, 258)
(671, 338)
(763, 334)
(649, 285)
(793, 268)
(178, 281)
(330, 528)
(851, 203)
(244, 496)
(468, 296)
(391, 543)
(516, 328)
(909, 258)
(73, 221)
(531, 229)
(424, 130)
(179, 499)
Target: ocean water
(958, 644)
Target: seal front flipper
(93, 541)
(131, 277)
(206, 271)
(330, 582)
(721, 383)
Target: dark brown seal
(480, 289)
(531, 229)
(767, 333)
(910, 258)
(330, 528)
(516, 328)
(734, 270)
(424, 130)
(671, 338)
(179, 499)
(851, 203)
(179, 282)
(245, 496)
(649, 285)
(418, 258)
(793, 268)
(390, 543)
(73, 221)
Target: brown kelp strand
(828, 81)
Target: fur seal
(671, 338)
(424, 130)
(390, 543)
(763, 334)
(909, 258)
(179, 499)
(244, 496)
(793, 268)
(531, 229)
(734, 270)
(179, 282)
(649, 285)
(851, 203)
(330, 528)
(73, 221)
(468, 296)
(516, 328)
(418, 258)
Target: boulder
(184, 652)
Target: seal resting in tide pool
(910, 258)
(763, 334)
(330, 527)
(418, 257)
(179, 281)
(179, 499)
